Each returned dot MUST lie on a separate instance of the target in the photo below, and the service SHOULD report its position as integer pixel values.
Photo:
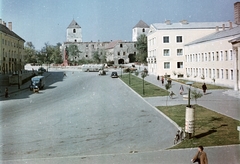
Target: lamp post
(189, 115)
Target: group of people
(181, 89)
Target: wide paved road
(80, 115)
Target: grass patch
(199, 85)
(137, 85)
(211, 128)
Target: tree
(73, 53)
(30, 53)
(143, 75)
(167, 87)
(96, 57)
(141, 47)
(196, 95)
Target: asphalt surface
(86, 118)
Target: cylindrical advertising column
(189, 121)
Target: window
(221, 56)
(206, 73)
(120, 45)
(209, 56)
(86, 56)
(202, 57)
(166, 52)
(165, 39)
(213, 56)
(226, 55)
(231, 74)
(217, 73)
(179, 39)
(221, 73)
(179, 52)
(179, 64)
(217, 56)
(74, 30)
(205, 56)
(75, 40)
(124, 53)
(87, 45)
(231, 55)
(226, 74)
(213, 74)
(143, 30)
(210, 73)
(118, 53)
(166, 65)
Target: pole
(189, 90)
(143, 86)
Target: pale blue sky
(41, 21)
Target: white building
(74, 32)
(139, 29)
(166, 44)
(211, 59)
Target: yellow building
(11, 50)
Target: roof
(73, 24)
(235, 40)
(218, 35)
(6, 30)
(141, 24)
(113, 44)
(189, 25)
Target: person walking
(200, 157)
(181, 90)
(158, 78)
(204, 88)
(162, 80)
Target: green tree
(196, 95)
(73, 53)
(141, 47)
(30, 53)
(96, 57)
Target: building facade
(121, 52)
(118, 52)
(166, 44)
(12, 49)
(139, 29)
(211, 59)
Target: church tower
(139, 29)
(74, 32)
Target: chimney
(168, 22)
(223, 27)
(10, 26)
(217, 28)
(4, 23)
(237, 13)
(230, 25)
(184, 21)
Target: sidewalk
(14, 88)
(226, 102)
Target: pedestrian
(204, 88)
(181, 90)
(158, 78)
(6, 92)
(162, 80)
(200, 157)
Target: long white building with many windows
(166, 44)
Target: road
(80, 115)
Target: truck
(37, 82)
(92, 67)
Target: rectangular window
(226, 74)
(221, 73)
(118, 53)
(217, 73)
(231, 74)
(202, 57)
(179, 39)
(210, 73)
(166, 39)
(120, 45)
(209, 56)
(179, 52)
(166, 52)
(166, 65)
(226, 55)
(206, 73)
(213, 56)
(205, 56)
(231, 55)
(221, 56)
(179, 64)
(124, 53)
(217, 57)
(213, 73)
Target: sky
(46, 21)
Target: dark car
(114, 75)
(41, 69)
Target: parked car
(38, 81)
(114, 75)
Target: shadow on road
(24, 92)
